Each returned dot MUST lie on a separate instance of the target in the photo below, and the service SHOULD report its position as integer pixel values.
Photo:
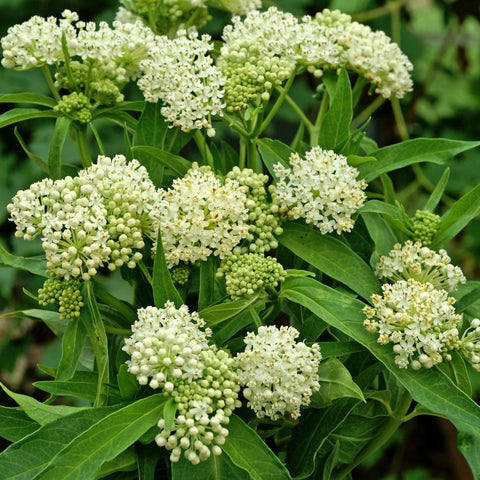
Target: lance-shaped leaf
(331, 257)
(20, 114)
(393, 157)
(35, 265)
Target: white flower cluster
(199, 216)
(98, 217)
(181, 74)
(322, 188)
(165, 345)
(412, 260)
(370, 54)
(169, 347)
(38, 42)
(279, 374)
(258, 54)
(418, 319)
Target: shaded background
(441, 38)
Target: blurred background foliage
(441, 38)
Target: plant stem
(203, 148)
(396, 419)
(278, 103)
(82, 144)
(322, 111)
(51, 85)
(380, 11)
(118, 331)
(368, 111)
(299, 112)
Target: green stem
(243, 153)
(230, 121)
(51, 84)
(399, 119)
(203, 148)
(97, 138)
(396, 419)
(278, 103)
(252, 159)
(300, 113)
(368, 111)
(82, 145)
(118, 331)
(380, 11)
(322, 111)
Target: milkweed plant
(285, 313)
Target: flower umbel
(418, 319)
(322, 188)
(413, 260)
(278, 373)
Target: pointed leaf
(20, 114)
(178, 165)
(28, 97)
(72, 346)
(15, 424)
(335, 128)
(461, 213)
(249, 452)
(163, 287)
(56, 146)
(38, 161)
(82, 457)
(273, 152)
(437, 193)
(393, 157)
(38, 411)
(24, 459)
(35, 265)
(331, 257)
(335, 382)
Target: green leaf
(380, 232)
(72, 346)
(35, 265)
(56, 146)
(335, 382)
(469, 445)
(16, 115)
(169, 412)
(393, 157)
(125, 462)
(15, 424)
(217, 467)
(335, 128)
(51, 319)
(457, 371)
(38, 161)
(127, 383)
(178, 165)
(331, 257)
(92, 321)
(151, 128)
(437, 193)
(206, 295)
(82, 457)
(28, 97)
(330, 462)
(311, 433)
(429, 387)
(82, 385)
(217, 314)
(26, 458)
(163, 287)
(356, 160)
(38, 411)
(273, 152)
(392, 213)
(147, 459)
(150, 161)
(459, 216)
(249, 452)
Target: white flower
(199, 216)
(166, 345)
(181, 74)
(322, 188)
(278, 373)
(370, 54)
(470, 344)
(412, 260)
(418, 318)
